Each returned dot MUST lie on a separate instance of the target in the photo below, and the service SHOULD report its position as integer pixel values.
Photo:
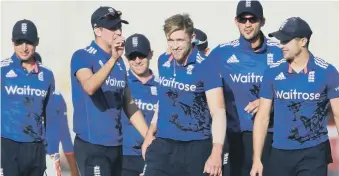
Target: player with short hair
(242, 63)
(144, 91)
(26, 90)
(190, 121)
(300, 90)
(99, 93)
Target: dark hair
(37, 57)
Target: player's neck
(143, 78)
(103, 46)
(300, 61)
(28, 64)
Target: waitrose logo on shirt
(246, 78)
(295, 95)
(172, 83)
(115, 83)
(25, 90)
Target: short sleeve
(332, 79)
(266, 90)
(80, 59)
(212, 70)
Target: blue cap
(106, 17)
(291, 28)
(200, 39)
(249, 6)
(137, 43)
(25, 30)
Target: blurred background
(65, 27)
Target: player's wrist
(114, 59)
(151, 131)
(217, 148)
(256, 159)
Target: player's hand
(117, 46)
(257, 168)
(252, 107)
(148, 141)
(214, 163)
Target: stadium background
(65, 27)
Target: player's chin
(248, 36)
(25, 57)
(178, 56)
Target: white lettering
(337, 88)
(293, 94)
(145, 106)
(26, 90)
(176, 85)
(249, 78)
(114, 82)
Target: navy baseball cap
(200, 39)
(253, 7)
(106, 17)
(137, 43)
(25, 30)
(291, 28)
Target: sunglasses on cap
(243, 20)
(110, 16)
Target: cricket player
(191, 117)
(57, 132)
(99, 93)
(144, 91)
(300, 90)
(26, 90)
(242, 63)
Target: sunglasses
(133, 56)
(244, 20)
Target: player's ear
(97, 32)
(236, 21)
(150, 55)
(262, 22)
(37, 42)
(304, 42)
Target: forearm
(336, 121)
(138, 121)
(334, 109)
(259, 135)
(152, 129)
(72, 164)
(219, 125)
(93, 83)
